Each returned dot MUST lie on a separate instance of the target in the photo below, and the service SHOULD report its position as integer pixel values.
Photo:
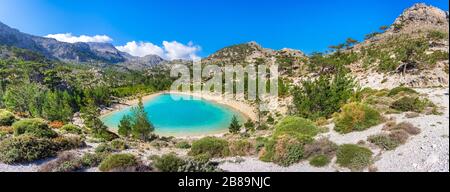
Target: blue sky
(209, 25)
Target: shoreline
(244, 109)
(241, 107)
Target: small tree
(125, 126)
(142, 126)
(350, 42)
(235, 127)
(384, 28)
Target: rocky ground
(426, 152)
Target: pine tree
(142, 126)
(234, 127)
(125, 126)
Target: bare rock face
(422, 13)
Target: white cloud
(141, 49)
(69, 38)
(168, 50)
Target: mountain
(290, 61)
(104, 53)
(413, 51)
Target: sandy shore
(244, 108)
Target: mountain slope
(104, 53)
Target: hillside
(102, 53)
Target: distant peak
(423, 13)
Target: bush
(323, 96)
(68, 143)
(26, 148)
(408, 127)
(65, 162)
(119, 145)
(6, 118)
(36, 127)
(353, 157)
(397, 90)
(168, 163)
(400, 136)
(118, 162)
(241, 148)
(356, 117)
(409, 104)
(319, 161)
(212, 146)
(284, 151)
(104, 148)
(295, 126)
(384, 141)
(183, 145)
(92, 159)
(320, 147)
(71, 128)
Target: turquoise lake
(181, 115)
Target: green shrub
(284, 151)
(409, 104)
(119, 145)
(168, 163)
(295, 126)
(353, 157)
(260, 142)
(215, 147)
(91, 159)
(356, 117)
(26, 148)
(319, 161)
(397, 90)
(36, 127)
(320, 147)
(384, 141)
(241, 148)
(323, 96)
(6, 118)
(65, 162)
(68, 142)
(71, 128)
(117, 162)
(183, 145)
(104, 148)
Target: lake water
(181, 115)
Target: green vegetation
(384, 141)
(183, 145)
(356, 117)
(353, 157)
(168, 163)
(36, 127)
(214, 147)
(71, 128)
(139, 126)
(319, 161)
(296, 127)
(407, 103)
(284, 151)
(241, 148)
(6, 118)
(324, 96)
(397, 90)
(26, 148)
(234, 127)
(117, 162)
